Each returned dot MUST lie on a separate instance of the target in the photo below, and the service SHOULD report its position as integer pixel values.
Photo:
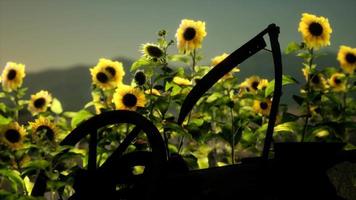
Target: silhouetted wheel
(115, 178)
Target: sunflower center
(254, 85)
(11, 75)
(350, 58)
(129, 100)
(337, 81)
(189, 33)
(39, 103)
(111, 70)
(49, 133)
(12, 136)
(102, 77)
(315, 79)
(154, 51)
(315, 29)
(263, 105)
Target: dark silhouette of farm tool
(291, 174)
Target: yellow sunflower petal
(262, 107)
(190, 35)
(181, 81)
(107, 74)
(337, 82)
(347, 59)
(12, 76)
(12, 135)
(45, 126)
(315, 30)
(40, 102)
(128, 98)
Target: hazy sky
(47, 34)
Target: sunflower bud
(140, 78)
(162, 33)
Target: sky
(52, 34)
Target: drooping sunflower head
(347, 59)
(181, 81)
(337, 82)
(12, 76)
(40, 102)
(13, 135)
(152, 52)
(262, 106)
(217, 59)
(190, 35)
(128, 98)
(315, 30)
(43, 129)
(140, 78)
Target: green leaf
(4, 120)
(89, 104)
(286, 80)
(80, 116)
(37, 164)
(298, 99)
(3, 107)
(292, 47)
(2, 94)
(179, 57)
(197, 122)
(292, 127)
(213, 97)
(140, 63)
(56, 106)
(14, 177)
(28, 184)
(304, 55)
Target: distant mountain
(72, 85)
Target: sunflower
(262, 85)
(315, 30)
(190, 35)
(317, 80)
(113, 69)
(153, 91)
(128, 98)
(43, 128)
(107, 74)
(39, 102)
(263, 107)
(347, 59)
(251, 84)
(181, 81)
(337, 82)
(217, 59)
(12, 76)
(152, 52)
(13, 135)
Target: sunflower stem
(193, 55)
(232, 137)
(308, 89)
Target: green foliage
(229, 121)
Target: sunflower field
(226, 125)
